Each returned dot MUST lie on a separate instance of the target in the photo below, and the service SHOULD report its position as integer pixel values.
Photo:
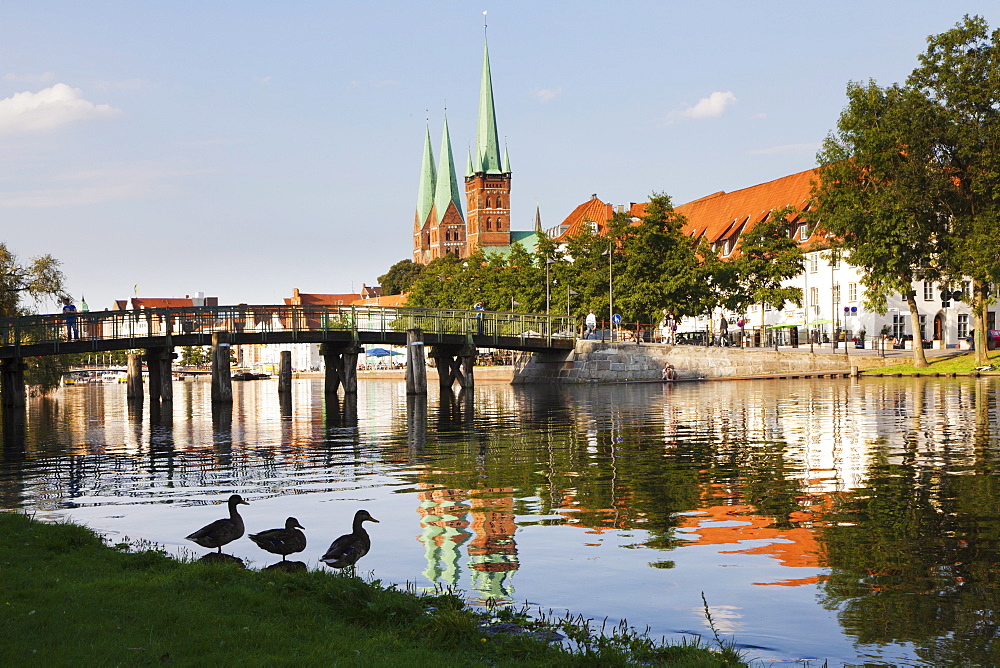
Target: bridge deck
(255, 324)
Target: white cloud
(788, 149)
(712, 106)
(546, 94)
(266, 81)
(48, 109)
(44, 77)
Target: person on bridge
(480, 308)
(69, 310)
(591, 323)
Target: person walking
(723, 332)
(591, 324)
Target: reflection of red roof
(163, 302)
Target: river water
(843, 520)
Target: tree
(768, 257)
(400, 277)
(661, 266)
(959, 74)
(36, 280)
(196, 355)
(879, 192)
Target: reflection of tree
(912, 555)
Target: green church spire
(447, 185)
(428, 181)
(487, 145)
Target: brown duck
(221, 532)
(346, 550)
(281, 541)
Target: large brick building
(439, 226)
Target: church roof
(446, 189)
(487, 158)
(428, 180)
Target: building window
(836, 293)
(803, 232)
(898, 325)
(991, 319)
(928, 291)
(499, 202)
(963, 325)
(923, 324)
(967, 289)
(489, 223)
(487, 201)
(499, 224)
(813, 263)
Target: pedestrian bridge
(452, 337)
(29, 336)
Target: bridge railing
(265, 319)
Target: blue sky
(244, 149)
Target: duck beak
(244, 503)
(372, 519)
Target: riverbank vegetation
(964, 363)
(68, 598)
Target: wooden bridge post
(285, 373)
(133, 389)
(340, 367)
(222, 376)
(12, 392)
(455, 363)
(416, 363)
(159, 362)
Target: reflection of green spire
(428, 179)
(447, 185)
(487, 144)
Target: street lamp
(611, 296)
(548, 261)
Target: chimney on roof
(593, 196)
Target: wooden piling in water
(222, 376)
(12, 392)
(416, 362)
(133, 387)
(285, 373)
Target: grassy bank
(68, 599)
(959, 362)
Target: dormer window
(803, 232)
(727, 247)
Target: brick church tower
(439, 226)
(487, 177)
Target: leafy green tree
(36, 280)
(959, 74)
(196, 355)
(661, 267)
(400, 277)
(768, 257)
(881, 182)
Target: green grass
(959, 362)
(67, 599)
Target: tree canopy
(33, 281)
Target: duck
(346, 550)
(221, 532)
(281, 541)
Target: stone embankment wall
(604, 362)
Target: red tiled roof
(720, 215)
(593, 210)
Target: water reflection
(848, 520)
